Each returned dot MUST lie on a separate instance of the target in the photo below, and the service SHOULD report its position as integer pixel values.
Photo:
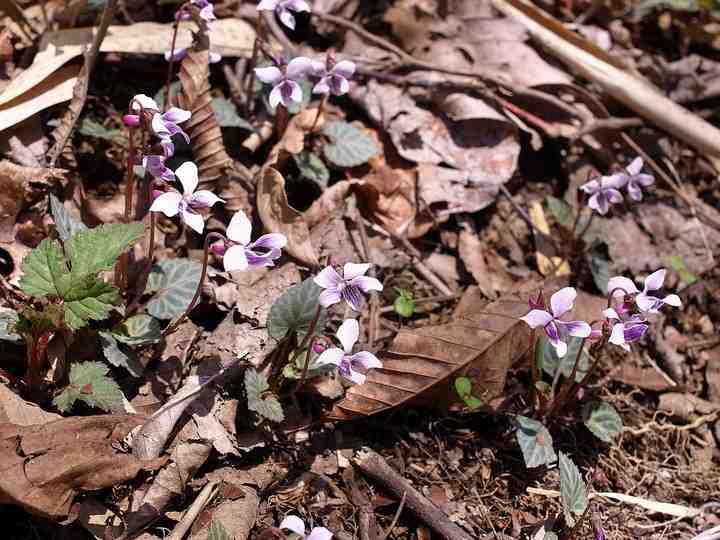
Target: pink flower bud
(155, 194)
(131, 120)
(319, 346)
(218, 248)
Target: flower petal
(645, 180)
(366, 284)
(614, 181)
(611, 314)
(655, 281)
(167, 203)
(298, 67)
(351, 375)
(214, 57)
(158, 126)
(328, 278)
(239, 229)
(621, 286)
(297, 5)
(635, 166)
(269, 75)
(322, 87)
(634, 191)
(329, 297)
(146, 102)
(559, 345)
(268, 5)
(537, 317)
(672, 300)
(353, 296)
(613, 196)
(204, 199)
(176, 115)
(634, 332)
(353, 270)
(348, 334)
(576, 328)
(293, 91)
(599, 203)
(194, 221)
(256, 258)
(617, 336)
(365, 360)
(339, 86)
(287, 18)
(590, 187)
(179, 54)
(647, 303)
(332, 356)
(187, 173)
(319, 533)
(276, 96)
(344, 68)
(235, 259)
(293, 523)
(562, 301)
(270, 241)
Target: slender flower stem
(176, 26)
(534, 370)
(206, 252)
(311, 329)
(320, 110)
(306, 366)
(281, 120)
(587, 225)
(250, 85)
(559, 401)
(122, 268)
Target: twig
(397, 516)
(654, 426)
(373, 464)
(70, 118)
(607, 123)
(181, 529)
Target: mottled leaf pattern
(535, 442)
(602, 419)
(119, 356)
(349, 146)
(8, 318)
(138, 330)
(174, 282)
(572, 490)
(65, 224)
(268, 407)
(295, 310)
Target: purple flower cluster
(605, 190)
(622, 324)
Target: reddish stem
(176, 27)
(320, 110)
(250, 85)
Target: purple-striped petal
(634, 191)
(562, 301)
(366, 284)
(270, 241)
(599, 203)
(365, 360)
(634, 332)
(353, 296)
(537, 318)
(267, 258)
(613, 196)
(576, 328)
(276, 97)
(328, 278)
(329, 297)
(176, 115)
(204, 199)
(339, 85)
(552, 332)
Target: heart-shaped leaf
(267, 406)
(312, 168)
(535, 442)
(572, 490)
(295, 310)
(602, 419)
(349, 146)
(174, 282)
(119, 356)
(227, 115)
(138, 330)
(548, 359)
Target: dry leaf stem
(205, 496)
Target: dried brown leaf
(481, 342)
(16, 410)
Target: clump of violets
(351, 287)
(239, 252)
(334, 76)
(633, 180)
(604, 191)
(350, 366)
(284, 9)
(285, 80)
(297, 526)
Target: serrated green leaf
(573, 492)
(174, 282)
(602, 419)
(95, 250)
(65, 224)
(89, 299)
(227, 115)
(268, 407)
(119, 356)
(561, 211)
(463, 386)
(45, 270)
(349, 146)
(535, 442)
(89, 382)
(312, 168)
(255, 384)
(549, 361)
(138, 330)
(91, 128)
(295, 310)
(8, 320)
(217, 531)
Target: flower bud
(218, 248)
(319, 346)
(131, 120)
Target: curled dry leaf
(293, 140)
(44, 466)
(278, 216)
(481, 342)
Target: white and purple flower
(155, 166)
(296, 525)
(284, 9)
(333, 76)
(165, 125)
(207, 11)
(239, 252)
(351, 286)
(284, 79)
(633, 180)
(603, 192)
(645, 301)
(626, 328)
(349, 364)
(556, 330)
(172, 203)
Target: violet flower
(603, 193)
(645, 302)
(351, 287)
(155, 166)
(239, 253)
(296, 525)
(284, 9)
(207, 11)
(165, 125)
(348, 363)
(286, 89)
(626, 330)
(333, 76)
(186, 204)
(556, 330)
(632, 179)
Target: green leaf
(65, 224)
(349, 146)
(91, 128)
(312, 168)
(217, 531)
(295, 310)
(472, 402)
(256, 384)
(535, 442)
(602, 419)
(174, 282)
(548, 359)
(463, 386)
(227, 115)
(119, 356)
(573, 492)
(677, 263)
(95, 250)
(561, 211)
(404, 305)
(8, 320)
(600, 268)
(138, 330)
(89, 382)
(45, 270)
(89, 299)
